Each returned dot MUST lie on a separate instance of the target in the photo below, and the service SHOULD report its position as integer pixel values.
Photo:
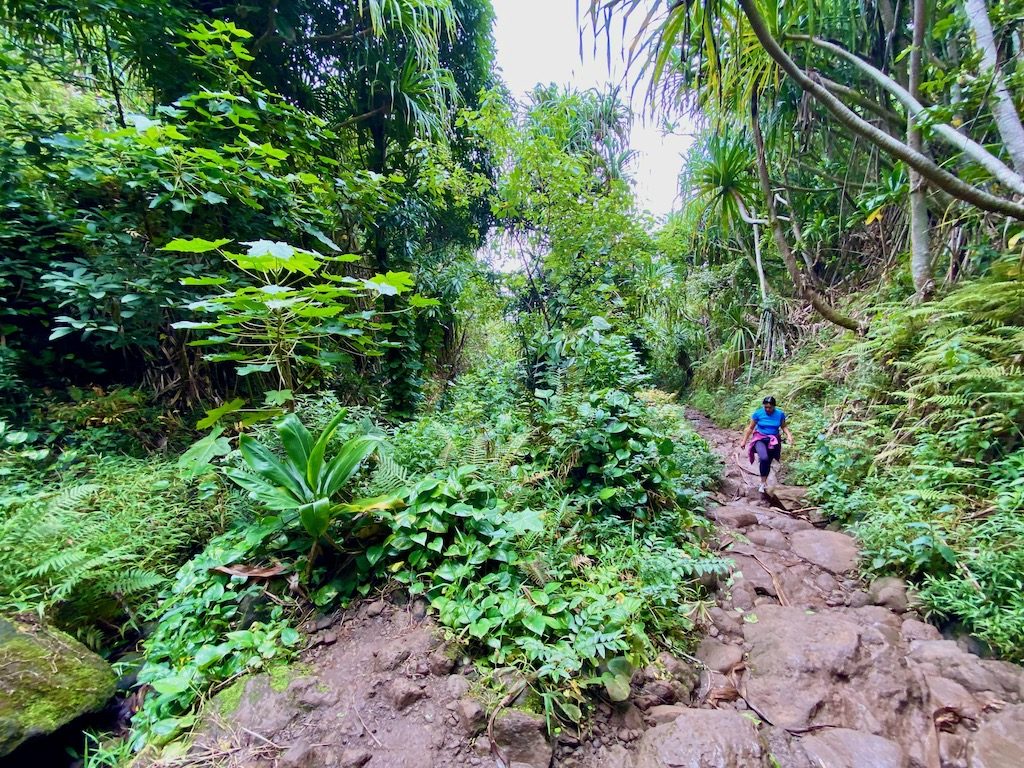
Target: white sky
(538, 41)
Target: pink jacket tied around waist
(773, 440)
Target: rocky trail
(802, 666)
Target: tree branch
(999, 170)
(937, 175)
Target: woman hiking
(763, 432)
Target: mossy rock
(47, 679)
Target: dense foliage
(300, 306)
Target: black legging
(766, 454)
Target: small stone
(713, 631)
(419, 608)
(858, 599)
(890, 592)
(440, 663)
(630, 716)
(472, 714)
(919, 630)
(456, 685)
(328, 638)
(522, 738)
(353, 758)
(625, 734)
(405, 692)
(719, 656)
(376, 608)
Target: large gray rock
(47, 679)
(843, 748)
(999, 742)
(840, 667)
(522, 738)
(701, 738)
(831, 550)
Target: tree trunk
(936, 175)
(920, 241)
(760, 265)
(1001, 102)
(803, 290)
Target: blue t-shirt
(768, 425)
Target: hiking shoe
(760, 488)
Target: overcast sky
(538, 42)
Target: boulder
(843, 748)
(998, 742)
(47, 679)
(890, 592)
(719, 656)
(522, 738)
(831, 550)
(702, 738)
(768, 537)
(734, 516)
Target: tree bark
(920, 239)
(803, 290)
(1001, 102)
(999, 170)
(938, 176)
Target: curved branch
(999, 170)
(935, 174)
(860, 100)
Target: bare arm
(785, 429)
(748, 432)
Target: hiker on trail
(763, 433)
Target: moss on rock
(47, 679)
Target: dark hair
(768, 401)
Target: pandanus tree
(902, 94)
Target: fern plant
(94, 553)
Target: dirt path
(802, 666)
(836, 674)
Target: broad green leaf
(197, 458)
(270, 496)
(195, 245)
(315, 467)
(344, 465)
(534, 621)
(297, 441)
(214, 415)
(316, 517)
(264, 463)
(245, 370)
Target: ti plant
(306, 481)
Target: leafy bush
(603, 446)
(212, 625)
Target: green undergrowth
(555, 536)
(913, 436)
(89, 547)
